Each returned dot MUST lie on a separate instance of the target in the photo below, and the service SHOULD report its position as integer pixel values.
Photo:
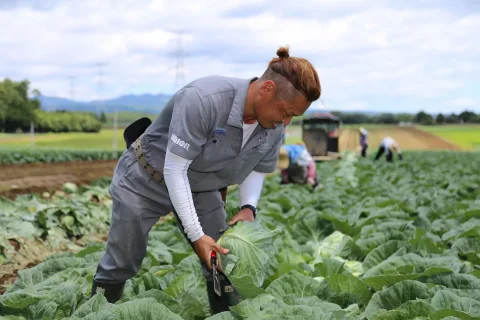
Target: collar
(235, 118)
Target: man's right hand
(204, 247)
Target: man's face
(272, 112)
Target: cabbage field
(377, 241)
(51, 155)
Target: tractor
(320, 133)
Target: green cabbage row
(377, 241)
(22, 156)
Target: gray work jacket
(203, 122)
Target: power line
(101, 97)
(180, 67)
(322, 101)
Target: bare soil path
(49, 177)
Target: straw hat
(283, 159)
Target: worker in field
(214, 132)
(297, 165)
(363, 141)
(389, 146)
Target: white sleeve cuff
(251, 189)
(175, 174)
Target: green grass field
(466, 136)
(294, 134)
(102, 140)
(125, 118)
(366, 126)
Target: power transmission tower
(180, 59)
(100, 87)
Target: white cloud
(367, 54)
(465, 102)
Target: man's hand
(311, 181)
(243, 215)
(204, 247)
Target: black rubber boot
(113, 292)
(229, 297)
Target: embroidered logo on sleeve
(179, 142)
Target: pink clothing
(312, 170)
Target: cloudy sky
(386, 55)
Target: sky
(382, 55)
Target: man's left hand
(243, 215)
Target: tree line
(18, 111)
(422, 118)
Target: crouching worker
(214, 132)
(297, 165)
(389, 146)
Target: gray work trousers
(138, 202)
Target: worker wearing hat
(363, 141)
(213, 133)
(297, 165)
(389, 146)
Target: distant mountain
(148, 103)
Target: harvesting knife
(216, 278)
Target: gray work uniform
(202, 122)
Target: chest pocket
(216, 154)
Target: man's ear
(269, 89)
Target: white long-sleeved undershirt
(175, 174)
(251, 188)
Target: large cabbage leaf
(251, 252)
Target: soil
(9, 275)
(30, 252)
(39, 178)
(49, 177)
(409, 138)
